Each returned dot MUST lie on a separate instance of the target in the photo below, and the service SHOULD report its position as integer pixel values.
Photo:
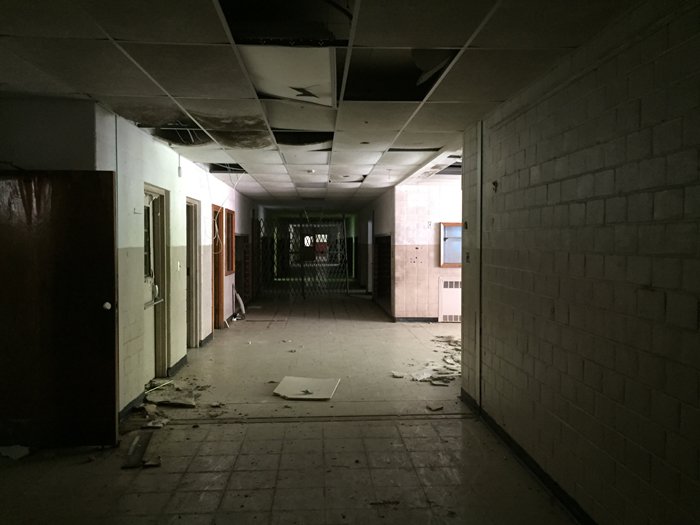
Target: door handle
(156, 292)
(107, 305)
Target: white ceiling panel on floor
(283, 114)
(195, 71)
(19, 76)
(446, 117)
(256, 157)
(88, 66)
(305, 157)
(419, 23)
(307, 169)
(374, 116)
(356, 157)
(363, 141)
(406, 158)
(158, 20)
(228, 115)
(482, 75)
(527, 24)
(47, 18)
(264, 169)
(410, 140)
(305, 74)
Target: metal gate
(301, 258)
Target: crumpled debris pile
(442, 372)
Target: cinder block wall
(591, 269)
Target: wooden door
(217, 247)
(58, 336)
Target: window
(230, 242)
(450, 244)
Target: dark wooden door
(58, 336)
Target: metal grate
(302, 258)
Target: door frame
(217, 261)
(193, 264)
(161, 270)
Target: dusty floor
(374, 454)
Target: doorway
(155, 281)
(192, 264)
(217, 280)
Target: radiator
(449, 301)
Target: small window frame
(230, 241)
(445, 238)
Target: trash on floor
(173, 396)
(307, 388)
(216, 404)
(397, 375)
(137, 450)
(156, 423)
(434, 407)
(14, 452)
(155, 384)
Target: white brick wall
(591, 269)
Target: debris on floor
(14, 452)
(307, 388)
(397, 375)
(434, 407)
(174, 395)
(137, 451)
(156, 423)
(216, 404)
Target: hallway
(372, 454)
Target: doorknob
(156, 292)
(107, 305)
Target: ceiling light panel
(418, 23)
(374, 116)
(284, 114)
(197, 71)
(296, 73)
(75, 62)
(174, 21)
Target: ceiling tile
(284, 114)
(265, 169)
(387, 172)
(308, 169)
(483, 75)
(309, 178)
(256, 156)
(229, 115)
(374, 116)
(356, 157)
(524, 24)
(418, 23)
(177, 21)
(410, 140)
(363, 141)
(445, 117)
(338, 170)
(19, 76)
(207, 71)
(252, 140)
(311, 192)
(305, 157)
(211, 153)
(151, 112)
(75, 62)
(407, 158)
(343, 187)
(48, 18)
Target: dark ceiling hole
(302, 138)
(395, 74)
(452, 169)
(283, 23)
(243, 139)
(455, 157)
(226, 168)
(183, 137)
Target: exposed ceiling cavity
(395, 74)
(285, 23)
(283, 94)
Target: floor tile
(302, 446)
(394, 477)
(347, 477)
(299, 517)
(219, 448)
(247, 500)
(211, 463)
(242, 518)
(194, 502)
(388, 458)
(299, 499)
(301, 478)
(356, 459)
(252, 479)
(261, 446)
(257, 462)
(148, 481)
(203, 481)
(301, 461)
(147, 503)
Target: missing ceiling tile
(243, 139)
(226, 168)
(302, 138)
(183, 137)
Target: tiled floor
(374, 454)
(449, 470)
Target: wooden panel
(58, 358)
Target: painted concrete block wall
(419, 209)
(591, 258)
(141, 160)
(47, 134)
